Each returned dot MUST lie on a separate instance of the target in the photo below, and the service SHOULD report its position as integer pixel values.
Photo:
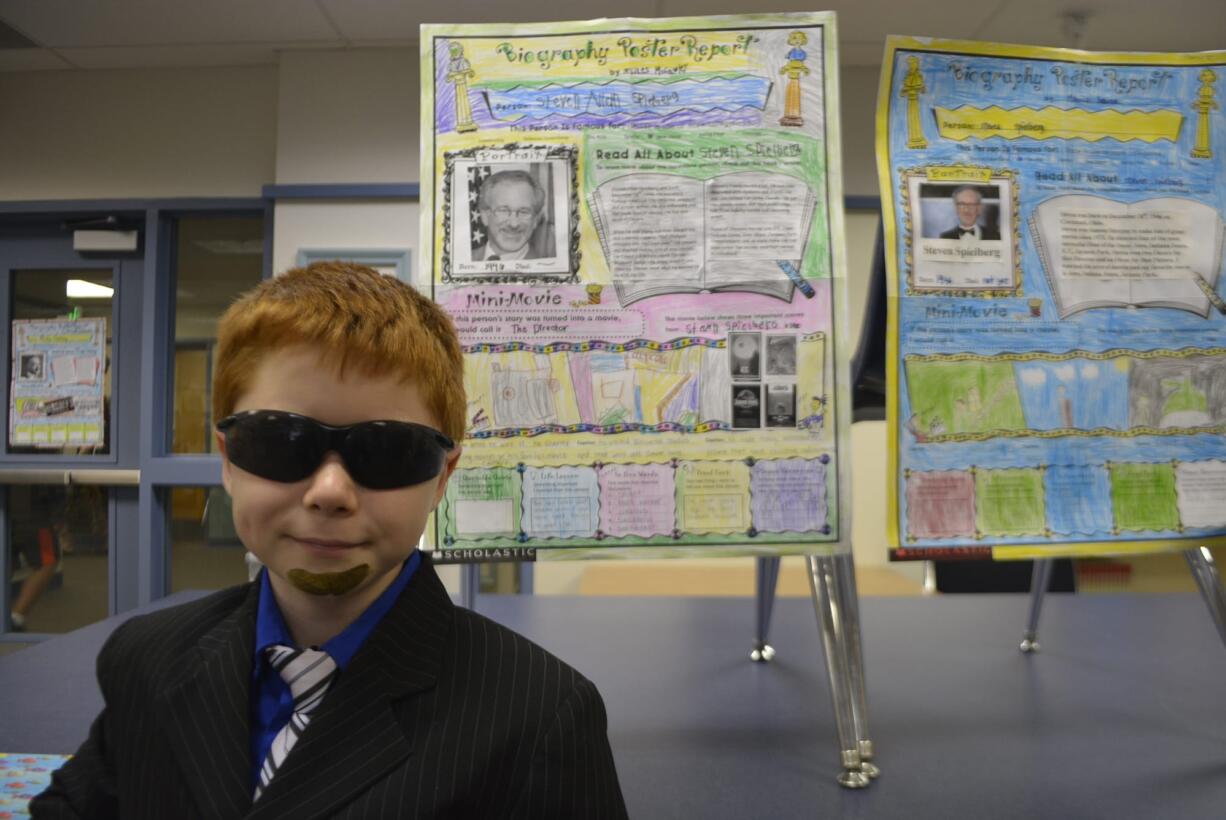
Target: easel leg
(1039, 580)
(767, 578)
(470, 583)
(850, 595)
(1204, 570)
(831, 617)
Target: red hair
(354, 316)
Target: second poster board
(1057, 342)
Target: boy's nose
(331, 489)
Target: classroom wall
(858, 104)
(345, 224)
(348, 116)
(137, 133)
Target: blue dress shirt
(272, 704)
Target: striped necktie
(308, 673)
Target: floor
(1119, 717)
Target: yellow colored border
(1097, 549)
(897, 42)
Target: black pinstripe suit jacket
(441, 714)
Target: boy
(342, 683)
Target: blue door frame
(32, 235)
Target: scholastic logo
(459, 555)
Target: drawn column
(794, 69)
(912, 87)
(1203, 106)
(459, 72)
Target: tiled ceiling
(74, 34)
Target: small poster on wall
(55, 396)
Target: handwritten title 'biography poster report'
(632, 224)
(1057, 328)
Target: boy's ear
(449, 465)
(225, 459)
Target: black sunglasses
(379, 455)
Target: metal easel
(1200, 563)
(832, 579)
(470, 583)
(832, 583)
(766, 579)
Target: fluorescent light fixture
(81, 289)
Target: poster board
(1058, 374)
(635, 225)
(57, 382)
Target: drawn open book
(666, 233)
(1101, 253)
(74, 370)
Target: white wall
(345, 225)
(137, 133)
(858, 100)
(348, 116)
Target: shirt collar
(271, 629)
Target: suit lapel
(354, 737)
(206, 716)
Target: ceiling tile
(361, 20)
(214, 32)
(72, 23)
(862, 20)
(480, 11)
(170, 56)
(1175, 25)
(374, 19)
(30, 59)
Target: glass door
(68, 477)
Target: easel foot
(853, 779)
(866, 760)
(762, 653)
(1030, 643)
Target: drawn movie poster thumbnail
(509, 212)
(745, 355)
(961, 237)
(747, 405)
(780, 355)
(780, 405)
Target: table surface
(1121, 715)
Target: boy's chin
(328, 583)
